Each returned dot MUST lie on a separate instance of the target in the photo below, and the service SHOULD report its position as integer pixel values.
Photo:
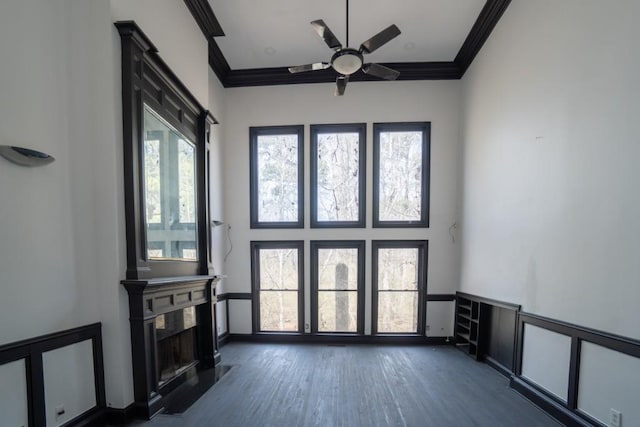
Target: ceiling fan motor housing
(347, 61)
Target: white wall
(550, 206)
(173, 31)
(437, 102)
(551, 142)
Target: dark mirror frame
(146, 79)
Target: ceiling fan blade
(341, 85)
(326, 34)
(381, 71)
(380, 39)
(309, 67)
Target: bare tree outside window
(278, 178)
(400, 176)
(401, 173)
(337, 175)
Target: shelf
(465, 336)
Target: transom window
(277, 177)
(399, 282)
(401, 174)
(338, 175)
(337, 286)
(277, 283)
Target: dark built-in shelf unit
(485, 329)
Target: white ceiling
(277, 33)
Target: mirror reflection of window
(169, 191)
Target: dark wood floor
(356, 385)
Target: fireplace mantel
(150, 298)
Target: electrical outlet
(59, 411)
(615, 418)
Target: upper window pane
(276, 177)
(401, 153)
(398, 269)
(169, 190)
(338, 269)
(279, 269)
(337, 184)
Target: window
(277, 268)
(399, 286)
(338, 175)
(337, 286)
(401, 174)
(277, 177)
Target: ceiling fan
(347, 60)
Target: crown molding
(451, 70)
(206, 19)
(482, 28)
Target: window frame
(256, 246)
(315, 245)
(425, 128)
(423, 258)
(254, 133)
(361, 129)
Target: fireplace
(172, 335)
(175, 343)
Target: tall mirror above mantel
(169, 279)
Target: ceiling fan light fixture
(347, 61)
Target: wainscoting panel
(545, 360)
(14, 407)
(62, 368)
(222, 316)
(609, 379)
(240, 316)
(68, 382)
(440, 318)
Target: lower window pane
(279, 311)
(397, 312)
(338, 311)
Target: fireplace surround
(173, 333)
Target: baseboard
(92, 417)
(338, 339)
(498, 366)
(223, 339)
(119, 416)
(550, 405)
